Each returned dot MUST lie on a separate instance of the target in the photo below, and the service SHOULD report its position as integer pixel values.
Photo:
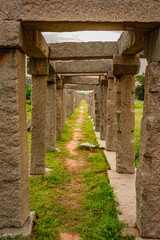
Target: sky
(86, 36)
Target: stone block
(125, 65)
(11, 34)
(37, 66)
(152, 45)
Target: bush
(139, 93)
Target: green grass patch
(28, 109)
(138, 117)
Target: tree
(139, 92)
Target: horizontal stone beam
(80, 87)
(84, 66)
(131, 43)
(13, 35)
(81, 80)
(34, 44)
(73, 15)
(82, 50)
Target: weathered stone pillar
(63, 107)
(14, 184)
(125, 67)
(59, 108)
(148, 173)
(93, 107)
(69, 103)
(51, 113)
(103, 109)
(111, 118)
(39, 69)
(97, 107)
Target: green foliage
(139, 92)
(28, 92)
(138, 117)
(28, 109)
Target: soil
(72, 189)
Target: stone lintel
(131, 43)
(84, 66)
(152, 45)
(52, 67)
(37, 66)
(34, 44)
(125, 65)
(80, 80)
(80, 87)
(82, 50)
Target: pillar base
(23, 232)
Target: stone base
(23, 232)
(47, 172)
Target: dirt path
(73, 164)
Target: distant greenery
(138, 117)
(139, 92)
(28, 88)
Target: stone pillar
(97, 108)
(125, 68)
(59, 108)
(68, 105)
(148, 173)
(111, 118)
(103, 109)
(14, 187)
(63, 107)
(51, 113)
(39, 69)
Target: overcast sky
(86, 36)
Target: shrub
(139, 92)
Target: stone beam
(58, 15)
(131, 43)
(80, 87)
(81, 80)
(82, 50)
(84, 66)
(34, 44)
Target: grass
(96, 216)
(138, 117)
(28, 109)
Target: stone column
(148, 173)
(51, 113)
(103, 109)
(97, 108)
(14, 187)
(63, 107)
(68, 105)
(59, 108)
(39, 69)
(111, 118)
(125, 68)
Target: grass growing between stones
(138, 117)
(90, 208)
